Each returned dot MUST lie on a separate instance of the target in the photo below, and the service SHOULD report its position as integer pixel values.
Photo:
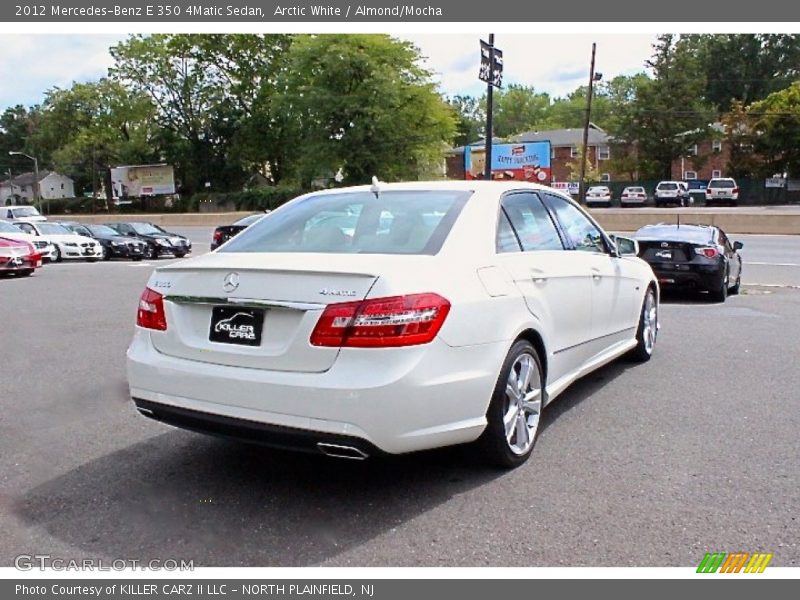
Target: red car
(18, 257)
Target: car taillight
(151, 313)
(381, 322)
(708, 252)
(735, 190)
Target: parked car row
(719, 191)
(55, 241)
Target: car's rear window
(667, 186)
(721, 183)
(393, 222)
(635, 190)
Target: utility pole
(584, 147)
(94, 179)
(487, 172)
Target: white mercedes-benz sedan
(392, 318)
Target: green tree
(745, 67)
(518, 108)
(470, 114)
(667, 114)
(775, 126)
(363, 104)
(90, 126)
(207, 89)
(16, 124)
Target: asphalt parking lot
(636, 465)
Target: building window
(690, 175)
(716, 146)
(716, 173)
(62, 186)
(605, 177)
(692, 150)
(573, 152)
(603, 153)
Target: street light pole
(487, 171)
(584, 149)
(36, 192)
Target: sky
(553, 63)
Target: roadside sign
(571, 187)
(774, 182)
(491, 72)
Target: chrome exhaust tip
(337, 451)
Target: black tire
(180, 254)
(493, 444)
(58, 258)
(738, 285)
(136, 258)
(150, 252)
(106, 253)
(721, 293)
(25, 273)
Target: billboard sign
(142, 180)
(525, 161)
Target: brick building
(705, 160)
(564, 148)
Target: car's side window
(579, 229)
(506, 240)
(27, 228)
(530, 222)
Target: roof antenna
(375, 188)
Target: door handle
(596, 274)
(538, 276)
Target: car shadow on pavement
(583, 389)
(685, 297)
(222, 503)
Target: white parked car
(21, 213)
(634, 195)
(68, 244)
(43, 246)
(598, 195)
(722, 191)
(429, 314)
(672, 192)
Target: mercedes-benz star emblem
(231, 282)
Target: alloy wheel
(523, 404)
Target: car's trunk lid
(289, 293)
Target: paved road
(651, 464)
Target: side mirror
(626, 246)
(738, 245)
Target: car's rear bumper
(702, 277)
(396, 399)
(276, 436)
